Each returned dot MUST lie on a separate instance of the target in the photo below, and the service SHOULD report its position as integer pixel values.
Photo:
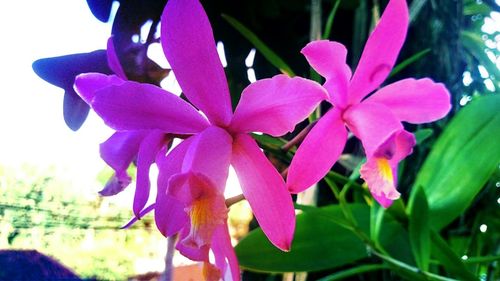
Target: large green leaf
(419, 229)
(462, 160)
(319, 244)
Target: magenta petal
(414, 101)
(210, 155)
(136, 106)
(113, 61)
(225, 257)
(372, 123)
(381, 169)
(116, 184)
(379, 176)
(318, 152)
(329, 60)
(192, 253)
(87, 84)
(189, 46)
(170, 216)
(119, 150)
(274, 106)
(265, 190)
(150, 145)
(144, 212)
(381, 51)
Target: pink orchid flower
(376, 119)
(192, 176)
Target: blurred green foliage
(40, 210)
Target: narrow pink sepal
(148, 149)
(381, 51)
(265, 190)
(188, 43)
(274, 106)
(414, 101)
(328, 58)
(318, 152)
(144, 212)
(113, 61)
(136, 106)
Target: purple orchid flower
(192, 176)
(123, 147)
(375, 120)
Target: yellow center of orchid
(385, 169)
(200, 213)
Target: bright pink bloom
(375, 120)
(192, 176)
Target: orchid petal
(189, 46)
(414, 101)
(380, 169)
(274, 106)
(192, 253)
(113, 61)
(136, 106)
(116, 184)
(144, 212)
(372, 123)
(381, 51)
(265, 190)
(204, 204)
(318, 152)
(224, 253)
(170, 216)
(87, 84)
(329, 60)
(150, 145)
(210, 155)
(379, 176)
(119, 150)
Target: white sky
(31, 115)
(31, 118)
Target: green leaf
(269, 54)
(394, 238)
(329, 21)
(418, 228)
(423, 134)
(318, 244)
(462, 160)
(402, 65)
(355, 271)
(450, 261)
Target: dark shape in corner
(101, 9)
(61, 72)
